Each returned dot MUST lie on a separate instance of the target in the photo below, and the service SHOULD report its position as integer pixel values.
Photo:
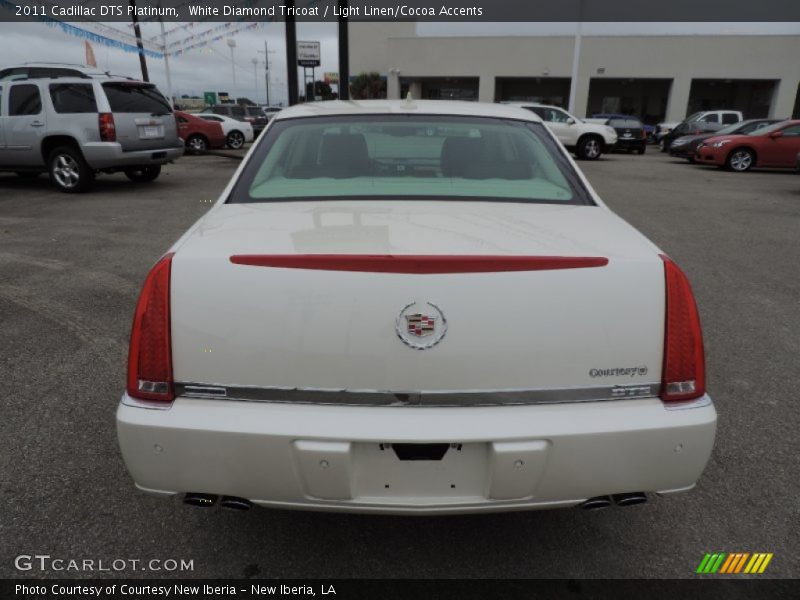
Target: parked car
(198, 134)
(631, 134)
(773, 146)
(250, 114)
(414, 307)
(74, 128)
(700, 122)
(271, 111)
(650, 130)
(237, 133)
(686, 146)
(587, 140)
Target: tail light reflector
(684, 374)
(150, 353)
(108, 130)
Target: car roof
(404, 107)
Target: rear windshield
(254, 111)
(626, 123)
(73, 98)
(409, 157)
(136, 98)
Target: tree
(368, 85)
(320, 89)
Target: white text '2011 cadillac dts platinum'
(414, 307)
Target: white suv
(587, 140)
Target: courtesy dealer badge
(421, 325)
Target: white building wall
(396, 51)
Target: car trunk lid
(313, 330)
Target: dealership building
(657, 76)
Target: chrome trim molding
(420, 398)
(700, 402)
(149, 404)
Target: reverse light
(150, 352)
(108, 129)
(683, 376)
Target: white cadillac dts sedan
(414, 307)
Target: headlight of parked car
(720, 143)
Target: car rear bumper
(109, 155)
(340, 458)
(630, 143)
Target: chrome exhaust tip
(596, 503)
(234, 503)
(201, 500)
(630, 498)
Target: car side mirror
(776, 134)
(570, 121)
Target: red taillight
(108, 130)
(683, 375)
(150, 353)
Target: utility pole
(166, 63)
(138, 32)
(266, 52)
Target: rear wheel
(143, 174)
(69, 171)
(589, 148)
(197, 144)
(235, 140)
(740, 160)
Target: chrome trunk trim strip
(417, 398)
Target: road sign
(331, 78)
(210, 98)
(308, 54)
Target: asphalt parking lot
(70, 271)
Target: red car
(198, 134)
(773, 146)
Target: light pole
(255, 75)
(232, 45)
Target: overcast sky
(210, 68)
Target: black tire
(590, 147)
(641, 150)
(28, 174)
(740, 160)
(143, 174)
(662, 145)
(235, 140)
(197, 144)
(68, 171)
